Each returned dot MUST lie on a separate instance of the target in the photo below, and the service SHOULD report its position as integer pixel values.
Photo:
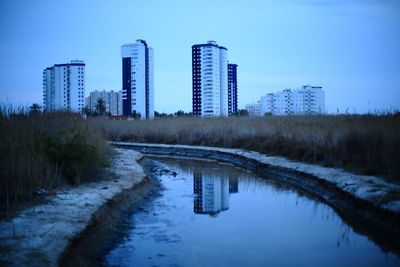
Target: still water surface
(211, 214)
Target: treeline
(181, 113)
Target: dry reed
(40, 151)
(367, 144)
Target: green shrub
(73, 157)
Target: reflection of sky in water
(252, 222)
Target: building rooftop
(209, 43)
(137, 42)
(75, 62)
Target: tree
(35, 109)
(242, 113)
(100, 107)
(87, 111)
(180, 113)
(136, 115)
(163, 115)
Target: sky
(349, 47)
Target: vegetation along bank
(364, 144)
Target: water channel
(210, 214)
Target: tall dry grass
(367, 144)
(41, 151)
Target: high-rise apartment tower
(64, 87)
(209, 79)
(232, 89)
(137, 79)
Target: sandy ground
(37, 236)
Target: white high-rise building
(112, 100)
(210, 79)
(137, 79)
(64, 87)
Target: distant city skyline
(351, 48)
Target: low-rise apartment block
(112, 101)
(307, 100)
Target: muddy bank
(106, 228)
(369, 200)
(109, 224)
(39, 235)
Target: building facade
(283, 102)
(64, 87)
(137, 79)
(232, 89)
(112, 100)
(209, 79)
(254, 109)
(307, 100)
(267, 104)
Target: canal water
(210, 214)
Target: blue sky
(351, 48)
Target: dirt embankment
(110, 222)
(43, 235)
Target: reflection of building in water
(197, 190)
(212, 193)
(233, 185)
